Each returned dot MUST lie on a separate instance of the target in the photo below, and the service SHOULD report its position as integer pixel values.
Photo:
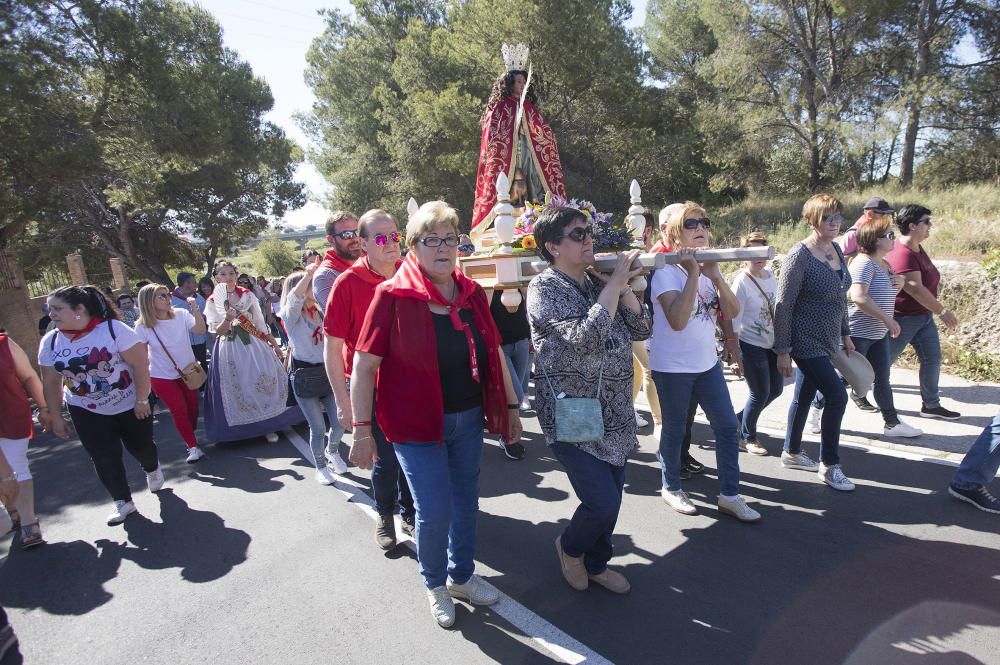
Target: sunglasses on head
(580, 233)
(382, 238)
(434, 241)
(703, 222)
(346, 235)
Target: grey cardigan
(810, 315)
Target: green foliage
(275, 258)
(992, 263)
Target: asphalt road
(244, 558)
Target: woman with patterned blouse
(582, 326)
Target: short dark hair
(124, 296)
(909, 215)
(336, 217)
(90, 297)
(551, 225)
(183, 277)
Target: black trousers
(201, 355)
(102, 437)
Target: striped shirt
(866, 271)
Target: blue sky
(273, 36)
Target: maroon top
(16, 422)
(902, 259)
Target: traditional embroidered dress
(247, 388)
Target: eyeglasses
(382, 238)
(926, 221)
(162, 296)
(466, 248)
(703, 222)
(833, 219)
(580, 233)
(890, 235)
(434, 241)
(346, 235)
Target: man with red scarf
(345, 248)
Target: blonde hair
(818, 207)
(676, 221)
(289, 285)
(429, 215)
(147, 304)
(752, 238)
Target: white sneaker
(154, 479)
(901, 430)
(835, 478)
(194, 454)
(640, 421)
(272, 437)
(798, 461)
(525, 404)
(738, 508)
(336, 463)
(324, 476)
(442, 606)
(815, 420)
(475, 591)
(121, 510)
(754, 448)
(679, 501)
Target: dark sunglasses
(434, 241)
(346, 235)
(580, 233)
(703, 222)
(382, 238)
(890, 235)
(830, 219)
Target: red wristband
(361, 423)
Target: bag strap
(164, 347)
(770, 305)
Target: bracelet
(12, 476)
(363, 438)
(514, 406)
(732, 339)
(361, 423)
(144, 402)
(943, 310)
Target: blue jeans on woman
(519, 363)
(877, 352)
(444, 479)
(675, 391)
(981, 463)
(312, 409)
(922, 333)
(814, 374)
(598, 486)
(760, 369)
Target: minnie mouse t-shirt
(94, 375)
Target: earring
(77, 317)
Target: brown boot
(572, 568)
(385, 532)
(612, 580)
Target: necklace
(829, 254)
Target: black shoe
(939, 412)
(514, 451)
(685, 474)
(692, 465)
(979, 497)
(863, 404)
(409, 526)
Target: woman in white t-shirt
(99, 365)
(755, 289)
(165, 329)
(682, 355)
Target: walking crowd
(416, 361)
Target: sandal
(31, 536)
(15, 520)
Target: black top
(513, 327)
(460, 391)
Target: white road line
(548, 639)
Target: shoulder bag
(193, 374)
(578, 419)
(309, 379)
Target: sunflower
(528, 242)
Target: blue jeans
(598, 486)
(676, 391)
(877, 352)
(312, 409)
(814, 374)
(444, 479)
(519, 363)
(922, 333)
(760, 369)
(981, 463)
(389, 486)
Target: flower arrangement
(609, 235)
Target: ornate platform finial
(412, 207)
(515, 57)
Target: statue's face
(519, 81)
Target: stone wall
(17, 314)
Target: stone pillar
(77, 272)
(117, 273)
(20, 317)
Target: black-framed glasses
(580, 233)
(830, 219)
(890, 235)
(347, 235)
(382, 238)
(703, 222)
(434, 241)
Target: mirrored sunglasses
(382, 238)
(346, 235)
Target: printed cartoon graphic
(100, 369)
(74, 375)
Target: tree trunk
(926, 20)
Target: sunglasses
(926, 221)
(831, 219)
(346, 235)
(434, 241)
(890, 235)
(580, 233)
(162, 296)
(382, 238)
(703, 222)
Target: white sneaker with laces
(324, 476)
(442, 606)
(640, 421)
(738, 508)
(475, 591)
(154, 479)
(194, 454)
(835, 478)
(679, 501)
(121, 510)
(815, 420)
(272, 437)
(798, 461)
(754, 448)
(336, 463)
(901, 430)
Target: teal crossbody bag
(578, 419)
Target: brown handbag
(193, 375)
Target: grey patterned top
(570, 332)
(810, 315)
